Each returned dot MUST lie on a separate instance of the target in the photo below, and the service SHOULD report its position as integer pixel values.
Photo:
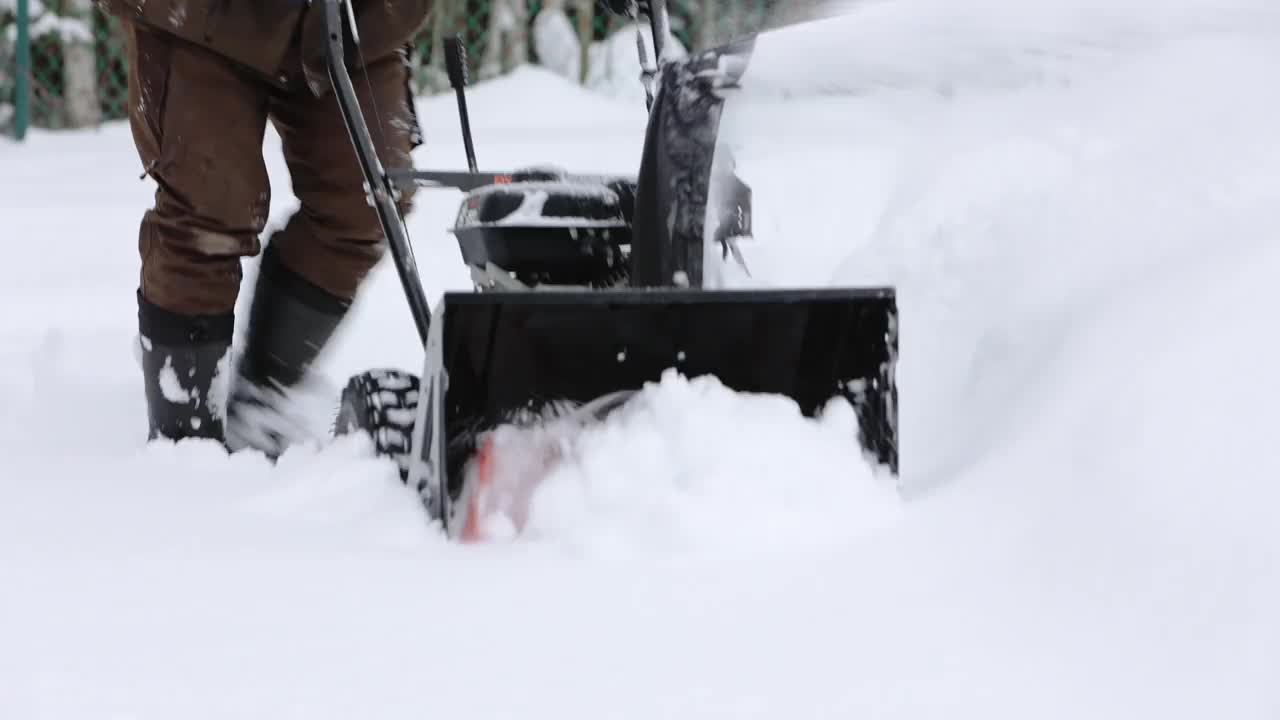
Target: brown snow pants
(199, 122)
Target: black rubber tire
(382, 404)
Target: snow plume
(689, 465)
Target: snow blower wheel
(381, 404)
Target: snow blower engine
(588, 287)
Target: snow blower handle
(455, 63)
(660, 29)
(660, 25)
(380, 191)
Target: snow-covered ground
(1078, 203)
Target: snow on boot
(290, 322)
(185, 366)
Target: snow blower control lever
(455, 62)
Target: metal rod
(467, 181)
(647, 71)
(378, 186)
(661, 27)
(458, 179)
(22, 84)
(466, 130)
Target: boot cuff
(170, 328)
(298, 287)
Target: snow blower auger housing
(588, 287)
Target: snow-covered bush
(556, 44)
(8, 65)
(614, 64)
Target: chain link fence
(63, 66)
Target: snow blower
(589, 287)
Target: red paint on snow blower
(483, 481)
(501, 481)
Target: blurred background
(62, 62)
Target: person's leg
(313, 267)
(335, 238)
(198, 124)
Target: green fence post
(22, 93)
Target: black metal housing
(507, 355)
(676, 171)
(549, 232)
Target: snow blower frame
(588, 287)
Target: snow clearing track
(1079, 204)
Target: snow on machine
(586, 288)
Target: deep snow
(1077, 202)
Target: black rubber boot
(185, 368)
(291, 321)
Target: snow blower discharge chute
(588, 287)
